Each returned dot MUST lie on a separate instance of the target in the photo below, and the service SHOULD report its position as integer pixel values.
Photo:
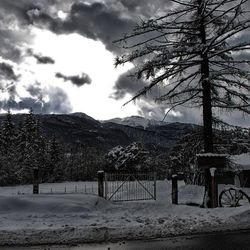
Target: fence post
(174, 189)
(214, 189)
(100, 183)
(106, 185)
(155, 185)
(35, 181)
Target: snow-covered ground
(75, 217)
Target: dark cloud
(105, 21)
(15, 25)
(97, 21)
(7, 72)
(78, 80)
(127, 84)
(12, 32)
(148, 108)
(39, 17)
(8, 45)
(24, 103)
(56, 101)
(146, 105)
(147, 8)
(44, 59)
(20, 9)
(40, 58)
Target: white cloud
(74, 54)
(173, 113)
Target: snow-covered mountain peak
(136, 121)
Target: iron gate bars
(130, 186)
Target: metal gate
(130, 186)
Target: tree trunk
(206, 88)
(207, 117)
(206, 102)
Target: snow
(212, 171)
(211, 155)
(122, 157)
(75, 218)
(137, 121)
(242, 160)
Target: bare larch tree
(198, 52)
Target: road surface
(229, 241)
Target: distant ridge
(79, 129)
(137, 121)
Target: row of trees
(182, 157)
(24, 147)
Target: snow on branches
(198, 52)
(130, 158)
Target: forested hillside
(72, 146)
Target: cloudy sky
(57, 56)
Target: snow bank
(75, 218)
(242, 160)
(66, 203)
(189, 194)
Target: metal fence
(88, 187)
(81, 188)
(130, 186)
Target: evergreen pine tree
(32, 148)
(7, 148)
(54, 165)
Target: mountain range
(79, 129)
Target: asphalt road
(228, 241)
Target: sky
(58, 57)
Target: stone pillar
(100, 183)
(174, 189)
